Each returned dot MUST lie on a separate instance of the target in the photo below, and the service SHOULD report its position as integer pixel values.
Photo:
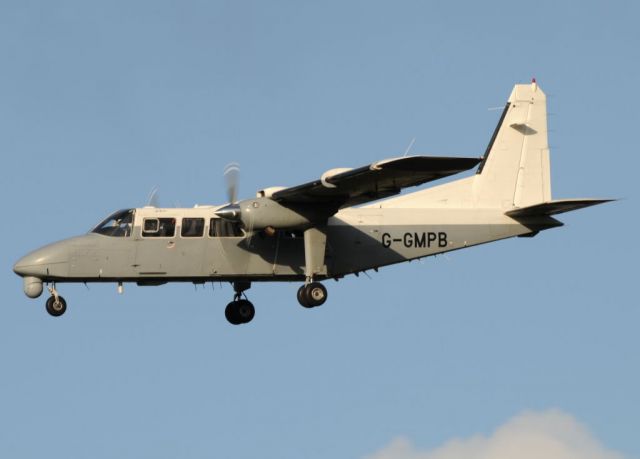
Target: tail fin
(514, 174)
(515, 169)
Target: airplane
(328, 228)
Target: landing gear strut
(55, 305)
(312, 294)
(240, 310)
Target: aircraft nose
(31, 265)
(20, 267)
(48, 260)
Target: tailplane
(554, 207)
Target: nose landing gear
(55, 305)
(240, 311)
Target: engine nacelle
(259, 213)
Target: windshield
(118, 224)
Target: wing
(344, 188)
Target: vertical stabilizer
(515, 170)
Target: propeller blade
(231, 176)
(152, 200)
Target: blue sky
(102, 101)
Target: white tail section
(515, 169)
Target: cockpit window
(118, 224)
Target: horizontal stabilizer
(554, 207)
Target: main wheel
(245, 310)
(239, 312)
(316, 294)
(302, 297)
(312, 295)
(231, 313)
(56, 307)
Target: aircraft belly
(259, 255)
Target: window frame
(114, 231)
(155, 235)
(144, 224)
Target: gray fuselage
(358, 239)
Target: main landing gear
(55, 305)
(240, 310)
(312, 294)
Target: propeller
(231, 177)
(152, 199)
(232, 210)
(261, 212)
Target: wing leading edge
(375, 181)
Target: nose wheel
(312, 294)
(240, 310)
(55, 305)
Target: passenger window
(219, 227)
(151, 225)
(159, 227)
(192, 227)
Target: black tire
(56, 308)
(312, 295)
(239, 312)
(302, 297)
(245, 311)
(231, 313)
